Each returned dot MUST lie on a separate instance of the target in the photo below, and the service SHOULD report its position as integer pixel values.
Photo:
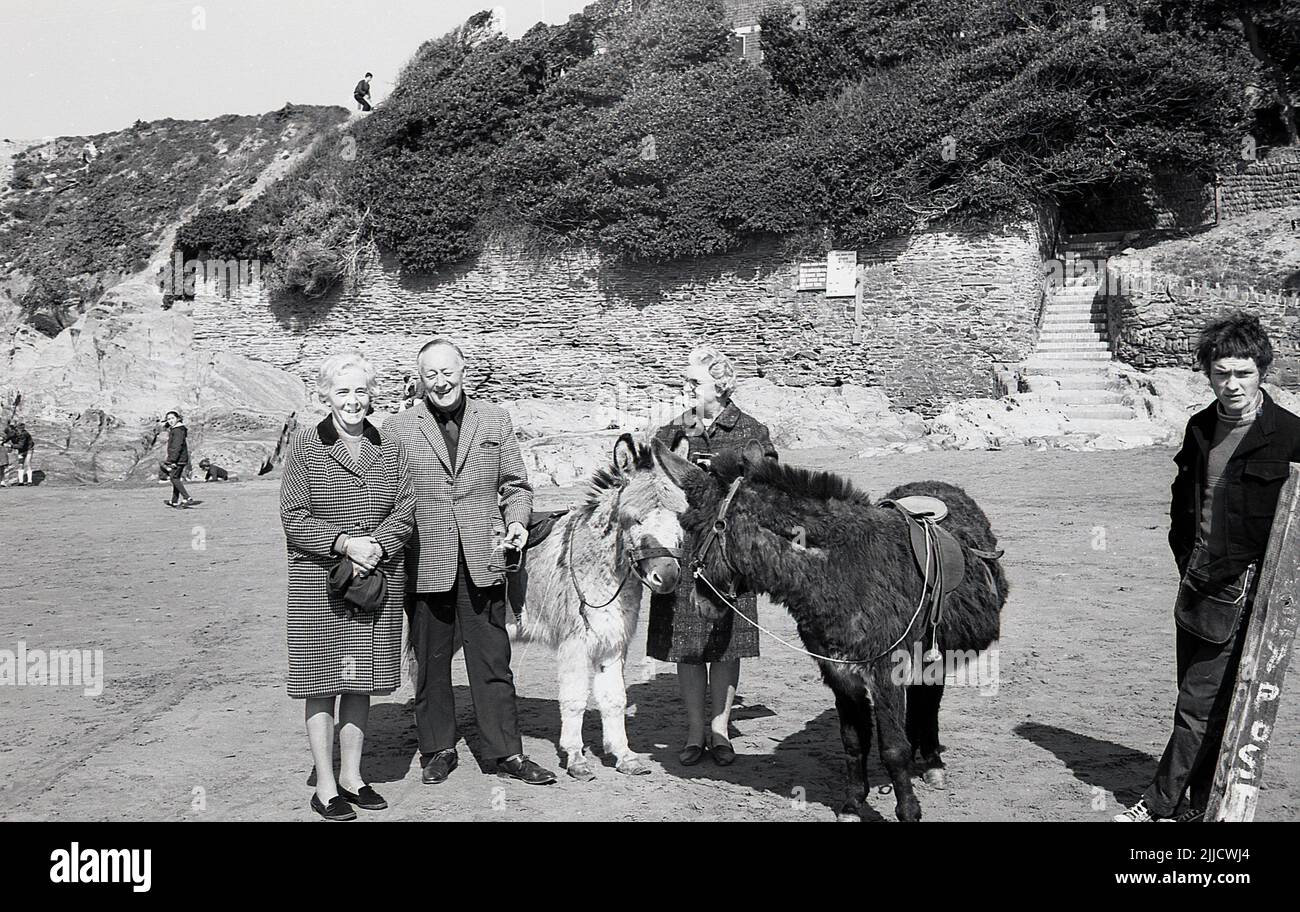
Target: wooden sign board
(841, 273)
(1270, 639)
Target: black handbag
(1211, 609)
(362, 594)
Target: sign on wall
(841, 273)
(812, 276)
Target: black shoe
(722, 753)
(691, 754)
(337, 810)
(366, 798)
(438, 767)
(525, 770)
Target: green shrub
(307, 267)
(219, 233)
(631, 128)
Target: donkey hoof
(632, 765)
(581, 770)
(934, 777)
(908, 811)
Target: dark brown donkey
(846, 570)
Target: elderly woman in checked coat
(346, 493)
(707, 653)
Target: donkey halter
(633, 556)
(717, 534)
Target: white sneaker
(1138, 813)
(1191, 815)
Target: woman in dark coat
(346, 494)
(707, 652)
(178, 459)
(1232, 465)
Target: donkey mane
(610, 478)
(792, 480)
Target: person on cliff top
(1231, 468)
(214, 472)
(178, 460)
(362, 92)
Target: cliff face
(90, 356)
(93, 396)
(76, 220)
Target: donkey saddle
(938, 554)
(540, 525)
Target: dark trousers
(1207, 674)
(178, 486)
(361, 100)
(481, 615)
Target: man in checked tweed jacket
(472, 497)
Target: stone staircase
(1071, 364)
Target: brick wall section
(742, 13)
(939, 311)
(1268, 184)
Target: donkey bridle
(717, 534)
(633, 556)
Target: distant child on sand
(215, 472)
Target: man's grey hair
(439, 340)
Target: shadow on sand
(1117, 769)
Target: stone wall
(1270, 183)
(1157, 325)
(939, 311)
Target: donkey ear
(677, 468)
(753, 453)
(681, 444)
(625, 454)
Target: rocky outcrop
(93, 396)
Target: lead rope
(699, 575)
(570, 531)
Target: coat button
(450, 480)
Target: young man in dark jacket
(178, 459)
(1234, 460)
(362, 93)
